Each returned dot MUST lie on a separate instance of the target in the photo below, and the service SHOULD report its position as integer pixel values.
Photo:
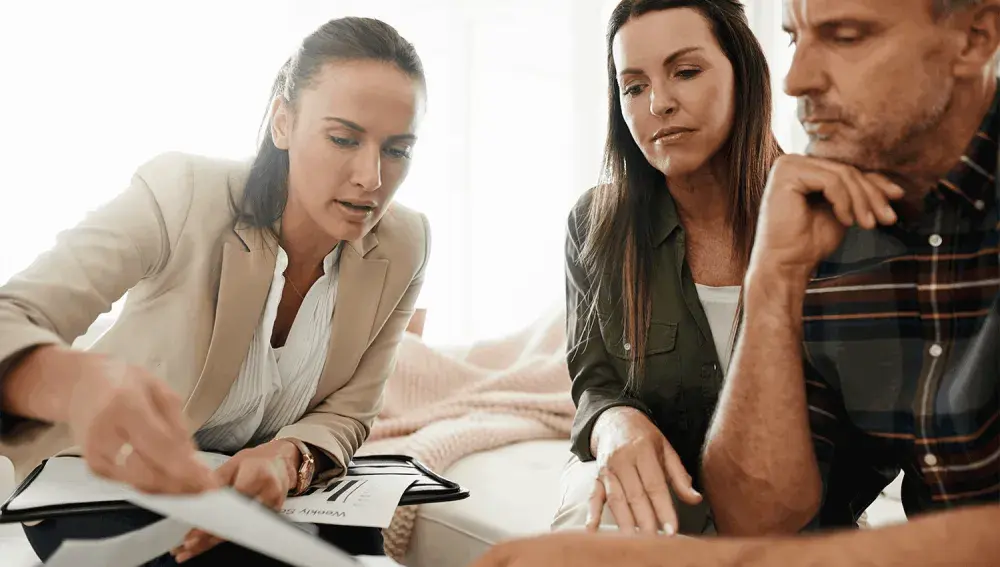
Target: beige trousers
(577, 483)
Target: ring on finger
(123, 454)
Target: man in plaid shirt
(879, 291)
(870, 343)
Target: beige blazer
(196, 290)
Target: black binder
(428, 488)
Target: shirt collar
(329, 262)
(664, 215)
(972, 181)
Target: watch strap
(307, 468)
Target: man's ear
(980, 25)
(281, 122)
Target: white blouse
(720, 305)
(275, 384)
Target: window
(512, 137)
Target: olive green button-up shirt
(682, 378)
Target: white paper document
(351, 501)
(356, 500)
(68, 480)
(233, 517)
(127, 550)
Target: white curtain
(513, 133)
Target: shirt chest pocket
(661, 356)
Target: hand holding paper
(131, 428)
(264, 473)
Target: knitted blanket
(441, 405)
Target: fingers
(139, 412)
(618, 502)
(258, 479)
(223, 476)
(679, 477)
(654, 483)
(821, 179)
(195, 543)
(184, 461)
(104, 454)
(880, 199)
(167, 451)
(868, 198)
(165, 454)
(638, 501)
(854, 196)
(858, 187)
(596, 506)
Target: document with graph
(361, 500)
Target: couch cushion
(514, 491)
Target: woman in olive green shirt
(655, 256)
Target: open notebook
(62, 486)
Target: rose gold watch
(307, 468)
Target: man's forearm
(759, 466)
(962, 537)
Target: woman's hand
(636, 464)
(266, 473)
(130, 427)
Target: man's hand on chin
(582, 549)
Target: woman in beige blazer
(265, 304)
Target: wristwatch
(307, 468)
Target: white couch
(514, 491)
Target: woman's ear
(280, 123)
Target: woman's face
(676, 88)
(350, 138)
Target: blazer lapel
(359, 289)
(248, 259)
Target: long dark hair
(619, 232)
(344, 39)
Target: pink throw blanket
(443, 405)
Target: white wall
(513, 134)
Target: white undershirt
(720, 305)
(275, 385)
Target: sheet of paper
(126, 550)
(351, 501)
(68, 480)
(235, 518)
(377, 561)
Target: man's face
(873, 78)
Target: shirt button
(935, 240)
(936, 350)
(628, 346)
(979, 204)
(930, 460)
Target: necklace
(295, 289)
